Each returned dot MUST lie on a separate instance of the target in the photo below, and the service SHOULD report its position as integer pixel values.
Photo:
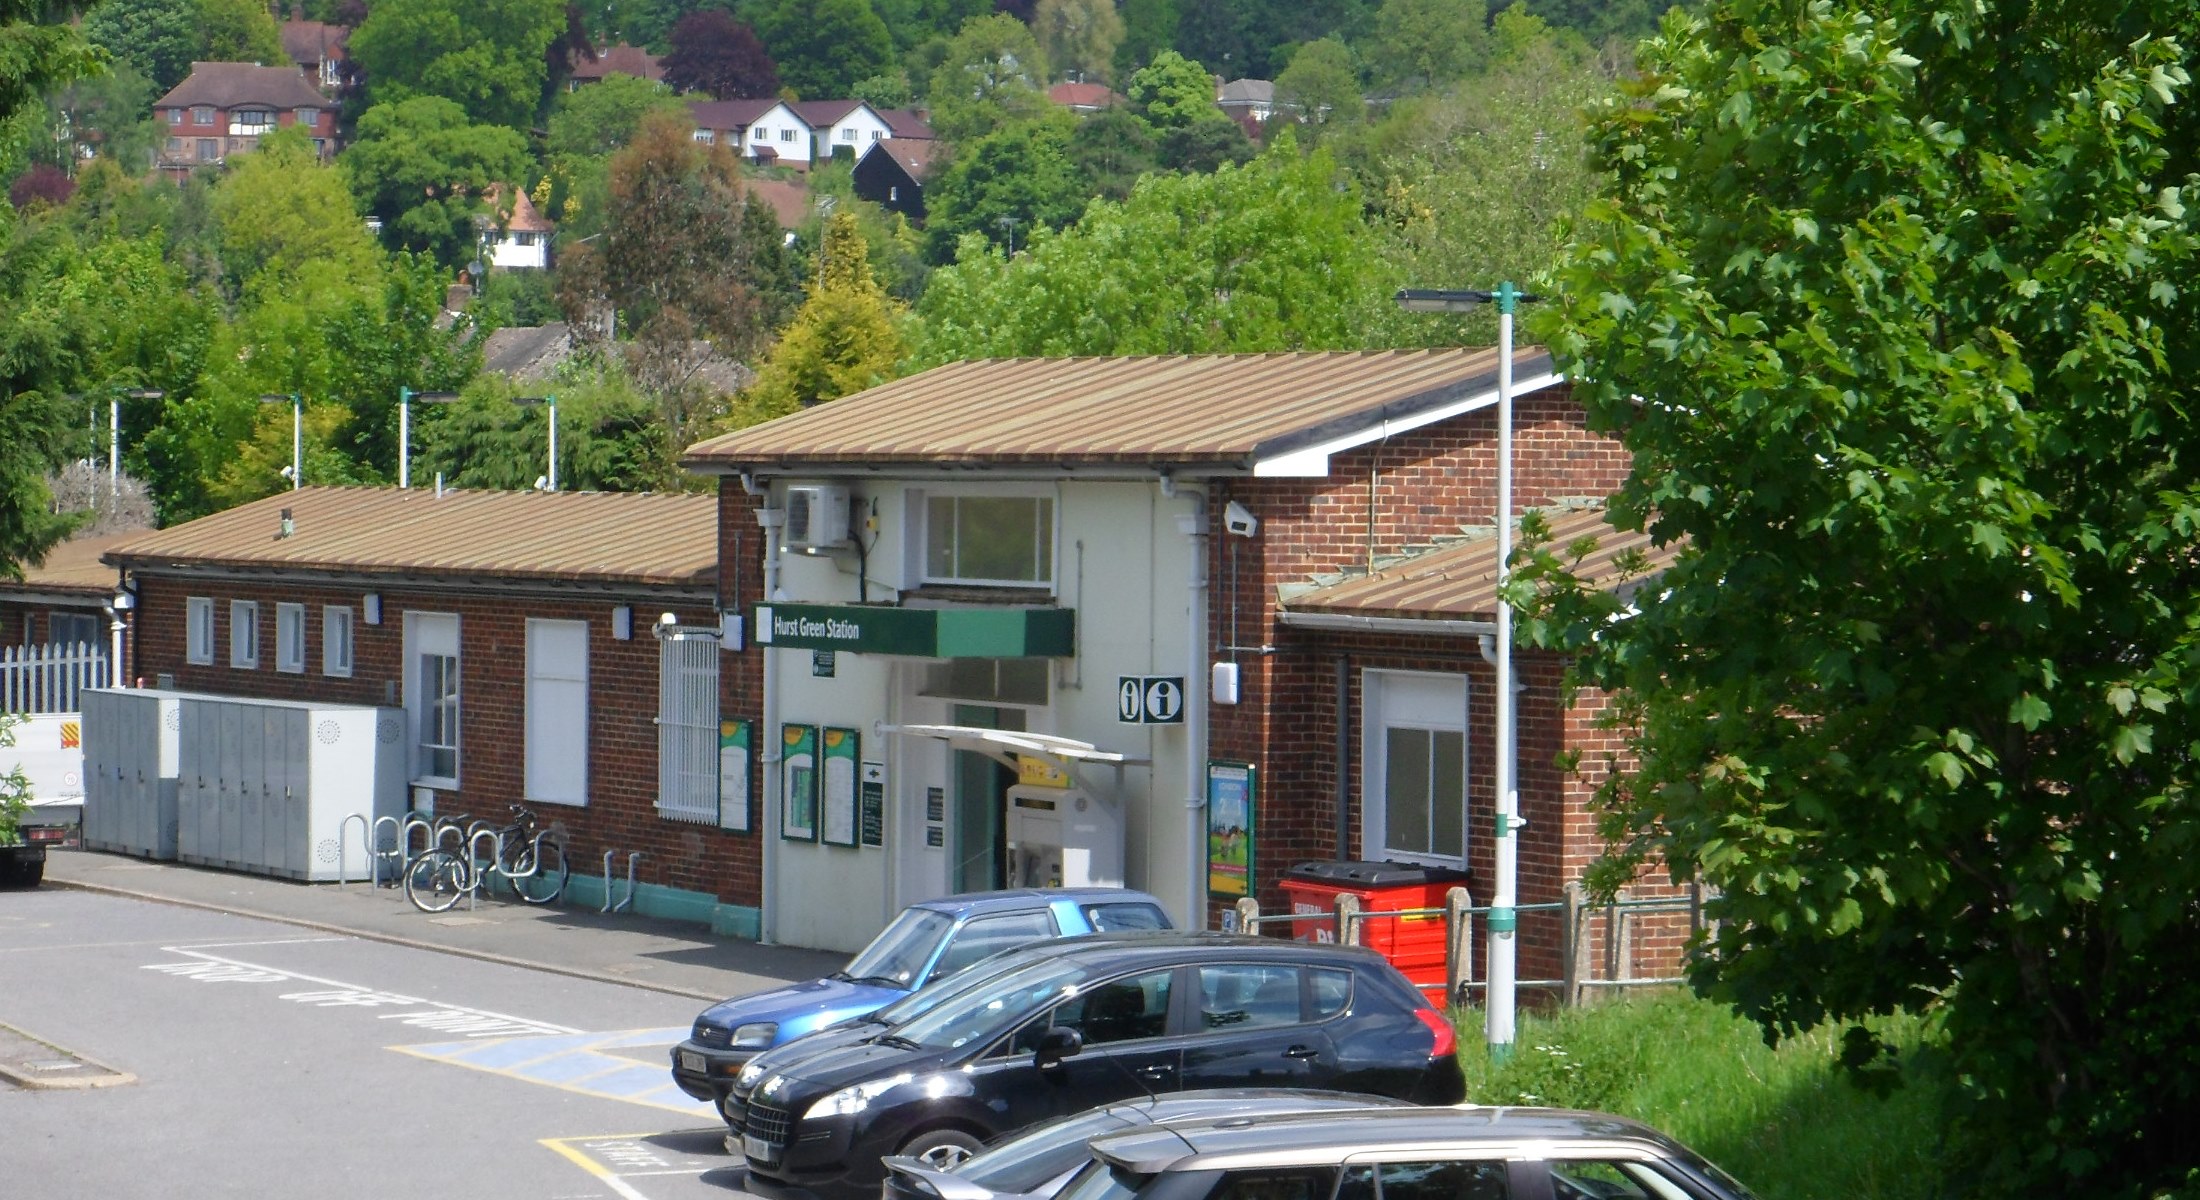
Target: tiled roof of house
(621, 59)
(573, 537)
(1461, 581)
(1214, 411)
(527, 353)
(729, 114)
(228, 85)
(905, 123)
(523, 217)
(1246, 91)
(790, 202)
(915, 157)
(823, 114)
(1084, 95)
(311, 42)
(73, 566)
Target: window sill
(1006, 595)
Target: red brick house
(318, 48)
(622, 59)
(223, 108)
(523, 633)
(66, 600)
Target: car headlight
(853, 1099)
(755, 1035)
(750, 1073)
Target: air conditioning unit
(817, 516)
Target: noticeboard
(1229, 829)
(838, 785)
(798, 772)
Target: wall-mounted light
(622, 623)
(370, 606)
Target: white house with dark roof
(223, 108)
(837, 123)
(515, 235)
(761, 131)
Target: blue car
(927, 942)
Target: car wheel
(941, 1149)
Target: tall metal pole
(552, 474)
(1503, 904)
(404, 437)
(114, 450)
(297, 441)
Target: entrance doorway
(981, 804)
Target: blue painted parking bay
(628, 1065)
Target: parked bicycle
(530, 860)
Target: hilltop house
(223, 108)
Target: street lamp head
(145, 394)
(1459, 300)
(278, 397)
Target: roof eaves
(1305, 453)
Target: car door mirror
(1057, 1044)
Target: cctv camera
(288, 472)
(1240, 520)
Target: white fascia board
(1313, 461)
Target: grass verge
(1786, 1122)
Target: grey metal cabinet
(132, 764)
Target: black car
(1036, 1163)
(1463, 1153)
(1100, 1022)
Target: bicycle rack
(627, 904)
(343, 844)
(476, 871)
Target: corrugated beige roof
(74, 566)
(1461, 582)
(1222, 411)
(581, 537)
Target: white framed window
(72, 629)
(336, 645)
(290, 638)
(251, 122)
(175, 116)
(198, 630)
(202, 114)
(432, 695)
(786, 135)
(308, 116)
(877, 134)
(706, 137)
(985, 539)
(847, 135)
(1414, 773)
(244, 634)
(557, 712)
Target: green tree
(426, 170)
(1273, 255)
(240, 31)
(158, 37)
(1003, 185)
(823, 47)
(994, 75)
(1321, 86)
(846, 336)
(1173, 92)
(599, 119)
(609, 437)
(1112, 149)
(1079, 37)
(487, 56)
(687, 267)
(1887, 302)
(1429, 43)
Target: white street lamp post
(1505, 898)
(549, 477)
(297, 434)
(405, 397)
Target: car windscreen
(985, 1012)
(1022, 1163)
(1115, 917)
(897, 956)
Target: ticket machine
(1063, 837)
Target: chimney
(456, 296)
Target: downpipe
(768, 746)
(1193, 525)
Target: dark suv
(1087, 1025)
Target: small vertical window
(786, 135)
(290, 638)
(244, 634)
(175, 116)
(202, 114)
(198, 627)
(336, 641)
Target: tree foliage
(715, 54)
(1887, 302)
(823, 47)
(1018, 180)
(1272, 255)
(486, 56)
(158, 37)
(240, 31)
(994, 74)
(1425, 44)
(609, 438)
(846, 336)
(1079, 37)
(426, 170)
(1173, 92)
(597, 120)
(1322, 85)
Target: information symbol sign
(1149, 699)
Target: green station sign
(919, 632)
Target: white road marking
(335, 993)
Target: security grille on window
(998, 540)
(336, 649)
(198, 631)
(687, 724)
(290, 638)
(244, 634)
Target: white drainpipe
(768, 750)
(1193, 526)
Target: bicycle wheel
(546, 881)
(436, 880)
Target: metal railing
(627, 902)
(1347, 920)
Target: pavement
(675, 957)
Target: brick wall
(622, 699)
(29, 622)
